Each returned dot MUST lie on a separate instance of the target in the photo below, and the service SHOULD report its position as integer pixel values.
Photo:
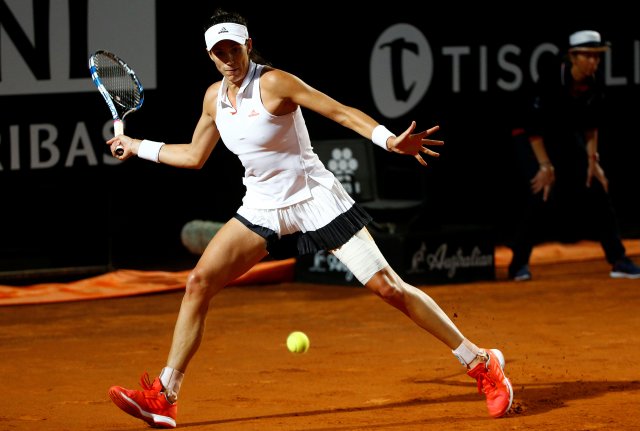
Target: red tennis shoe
(493, 383)
(150, 404)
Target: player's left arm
(292, 90)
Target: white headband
(226, 30)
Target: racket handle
(118, 129)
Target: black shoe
(625, 268)
(521, 274)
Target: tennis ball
(298, 342)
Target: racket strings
(118, 82)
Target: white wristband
(150, 150)
(380, 135)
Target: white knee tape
(362, 256)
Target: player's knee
(388, 286)
(197, 286)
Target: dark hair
(220, 16)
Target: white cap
(225, 31)
(587, 40)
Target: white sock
(171, 380)
(466, 352)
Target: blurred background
(66, 205)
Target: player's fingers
(433, 129)
(420, 159)
(430, 152)
(114, 148)
(407, 132)
(432, 142)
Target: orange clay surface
(570, 338)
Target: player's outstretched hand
(416, 144)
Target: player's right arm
(191, 155)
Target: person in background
(293, 205)
(559, 150)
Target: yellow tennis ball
(298, 342)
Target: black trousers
(572, 212)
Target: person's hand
(415, 144)
(129, 145)
(595, 171)
(543, 181)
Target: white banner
(44, 44)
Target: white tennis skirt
(325, 221)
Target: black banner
(66, 202)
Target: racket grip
(118, 129)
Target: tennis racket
(119, 86)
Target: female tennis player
(292, 206)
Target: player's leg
(363, 258)
(234, 250)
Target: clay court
(570, 338)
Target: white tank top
(275, 151)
